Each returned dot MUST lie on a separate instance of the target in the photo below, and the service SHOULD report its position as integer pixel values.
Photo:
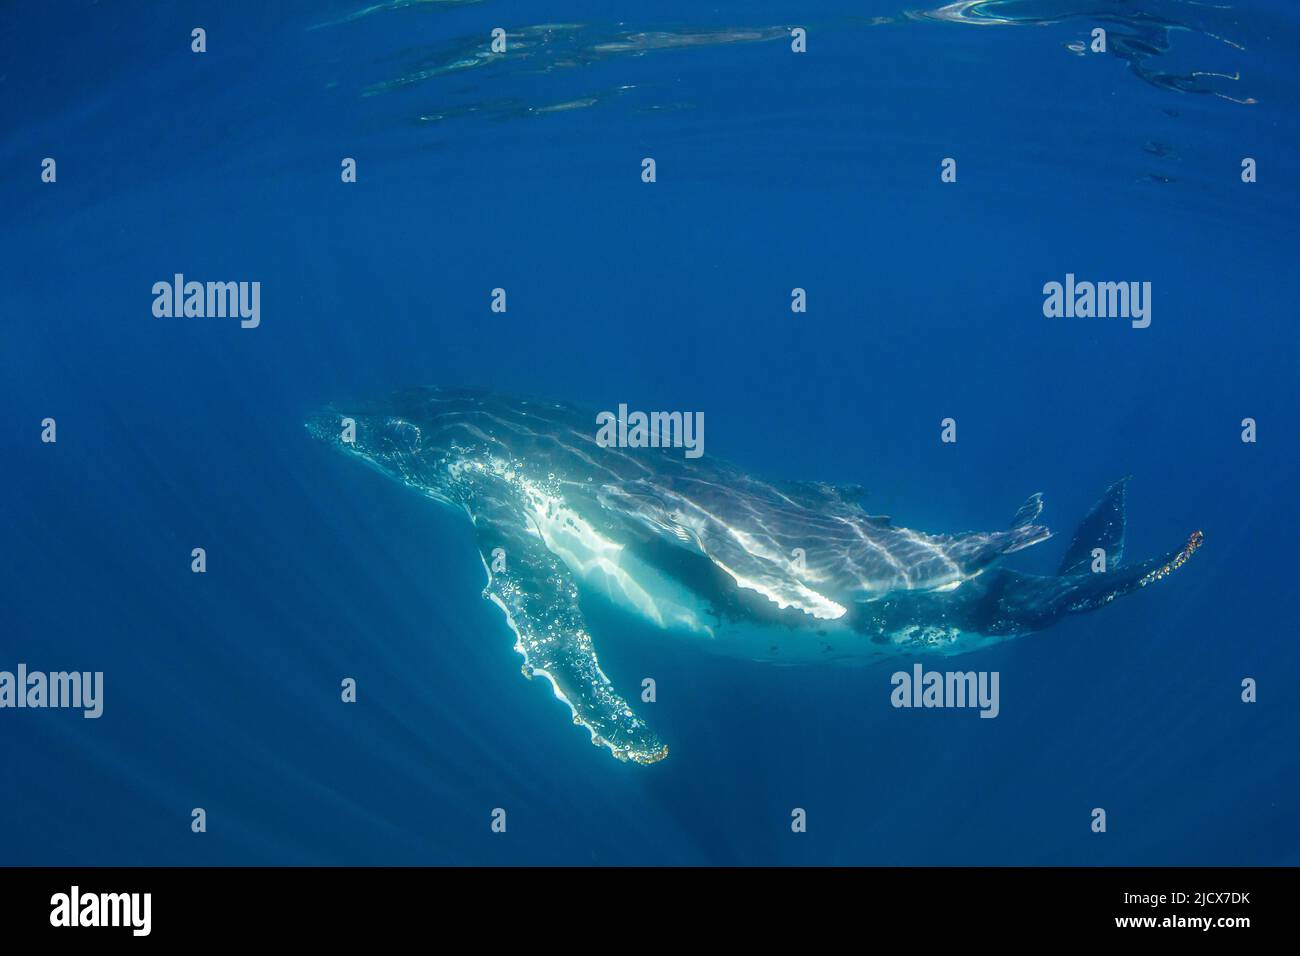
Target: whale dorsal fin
(1029, 511)
(1102, 528)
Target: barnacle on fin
(1177, 561)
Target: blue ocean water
(774, 170)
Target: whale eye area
(401, 434)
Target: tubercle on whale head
(325, 424)
(340, 426)
(378, 437)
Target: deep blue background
(775, 171)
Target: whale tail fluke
(1091, 574)
(1102, 528)
(1100, 589)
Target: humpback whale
(789, 572)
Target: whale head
(384, 440)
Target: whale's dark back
(556, 438)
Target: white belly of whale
(613, 570)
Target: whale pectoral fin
(540, 600)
